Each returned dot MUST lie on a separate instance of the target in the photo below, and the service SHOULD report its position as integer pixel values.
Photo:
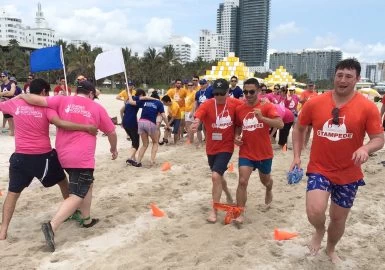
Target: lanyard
(216, 110)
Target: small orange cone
(165, 166)
(284, 148)
(282, 235)
(230, 168)
(156, 212)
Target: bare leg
(338, 216)
(307, 136)
(244, 176)
(133, 153)
(190, 135)
(67, 208)
(85, 206)
(154, 148)
(267, 181)
(229, 198)
(143, 148)
(64, 188)
(316, 204)
(216, 194)
(11, 127)
(8, 209)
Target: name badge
(217, 137)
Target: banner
(109, 63)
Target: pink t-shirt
(291, 102)
(288, 117)
(31, 126)
(76, 149)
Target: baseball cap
(4, 73)
(292, 87)
(202, 82)
(130, 83)
(220, 86)
(86, 85)
(13, 79)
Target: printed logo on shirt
(77, 109)
(150, 104)
(292, 104)
(335, 132)
(223, 121)
(250, 122)
(28, 111)
(202, 99)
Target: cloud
(329, 39)
(284, 30)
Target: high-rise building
(318, 65)
(182, 49)
(254, 17)
(371, 72)
(227, 17)
(210, 46)
(381, 71)
(30, 37)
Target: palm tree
(151, 61)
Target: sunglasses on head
(219, 94)
(247, 92)
(336, 116)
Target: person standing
(235, 91)
(218, 115)
(8, 90)
(61, 88)
(340, 118)
(26, 85)
(201, 96)
(304, 97)
(253, 120)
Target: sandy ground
(129, 237)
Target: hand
(238, 140)
(194, 126)
(114, 153)
(258, 113)
(360, 156)
(295, 162)
(92, 130)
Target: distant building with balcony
(182, 49)
(210, 46)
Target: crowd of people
(222, 115)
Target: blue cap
(4, 73)
(130, 83)
(202, 82)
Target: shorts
(7, 116)
(188, 117)
(23, 168)
(218, 162)
(134, 136)
(175, 126)
(80, 181)
(342, 195)
(145, 126)
(264, 166)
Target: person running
(33, 156)
(217, 115)
(189, 116)
(253, 120)
(174, 121)
(147, 126)
(76, 151)
(203, 94)
(304, 97)
(291, 102)
(340, 118)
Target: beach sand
(129, 237)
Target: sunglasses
(336, 116)
(219, 94)
(263, 89)
(251, 92)
(190, 85)
(29, 78)
(195, 80)
(233, 81)
(3, 76)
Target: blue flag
(46, 59)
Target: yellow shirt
(178, 96)
(190, 100)
(174, 110)
(123, 94)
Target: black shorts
(7, 116)
(80, 181)
(218, 163)
(134, 136)
(23, 168)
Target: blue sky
(354, 26)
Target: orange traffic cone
(166, 166)
(282, 235)
(284, 148)
(156, 212)
(230, 168)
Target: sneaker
(49, 235)
(130, 162)
(137, 164)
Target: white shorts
(188, 116)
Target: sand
(129, 237)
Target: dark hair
(252, 81)
(277, 85)
(350, 63)
(166, 98)
(140, 93)
(61, 78)
(178, 80)
(155, 95)
(263, 85)
(196, 77)
(38, 85)
(234, 77)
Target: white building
(227, 15)
(38, 36)
(210, 46)
(182, 49)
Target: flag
(109, 63)
(46, 59)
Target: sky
(354, 26)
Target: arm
(113, 140)
(382, 110)
(34, 100)
(298, 141)
(9, 93)
(122, 112)
(164, 117)
(272, 122)
(238, 136)
(195, 124)
(147, 98)
(73, 126)
(361, 155)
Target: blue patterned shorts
(342, 195)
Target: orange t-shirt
(222, 126)
(333, 145)
(306, 95)
(178, 96)
(255, 134)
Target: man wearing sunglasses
(26, 85)
(235, 91)
(217, 115)
(253, 121)
(340, 118)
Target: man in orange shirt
(178, 94)
(61, 89)
(309, 93)
(217, 115)
(174, 118)
(340, 118)
(253, 120)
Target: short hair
(155, 95)
(195, 77)
(61, 78)
(166, 98)
(252, 81)
(140, 93)
(234, 77)
(263, 85)
(350, 63)
(38, 85)
(178, 80)
(277, 85)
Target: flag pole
(64, 68)
(125, 74)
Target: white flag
(109, 63)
